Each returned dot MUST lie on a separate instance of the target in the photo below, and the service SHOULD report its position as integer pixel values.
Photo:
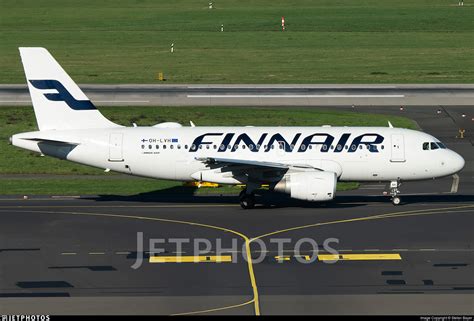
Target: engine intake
(309, 186)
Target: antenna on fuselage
(390, 124)
(191, 123)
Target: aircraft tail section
(57, 100)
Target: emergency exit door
(398, 148)
(116, 148)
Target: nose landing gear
(394, 185)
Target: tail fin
(58, 102)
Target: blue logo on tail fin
(62, 94)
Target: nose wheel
(394, 191)
(396, 200)
(247, 201)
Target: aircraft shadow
(184, 194)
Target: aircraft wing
(221, 162)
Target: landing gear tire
(247, 201)
(396, 200)
(394, 185)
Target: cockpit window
(433, 145)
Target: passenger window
(310, 146)
(426, 146)
(143, 146)
(434, 146)
(164, 146)
(215, 147)
(185, 146)
(157, 146)
(179, 146)
(150, 147)
(171, 146)
(382, 147)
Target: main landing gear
(394, 185)
(247, 200)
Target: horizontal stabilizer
(51, 141)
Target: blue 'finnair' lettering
(323, 141)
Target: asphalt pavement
(356, 255)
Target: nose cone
(456, 162)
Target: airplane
(304, 162)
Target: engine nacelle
(309, 186)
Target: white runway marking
(95, 101)
(328, 87)
(121, 101)
(14, 101)
(295, 96)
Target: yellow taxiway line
(429, 211)
(251, 272)
(255, 300)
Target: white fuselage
(353, 153)
(304, 162)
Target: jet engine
(309, 186)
